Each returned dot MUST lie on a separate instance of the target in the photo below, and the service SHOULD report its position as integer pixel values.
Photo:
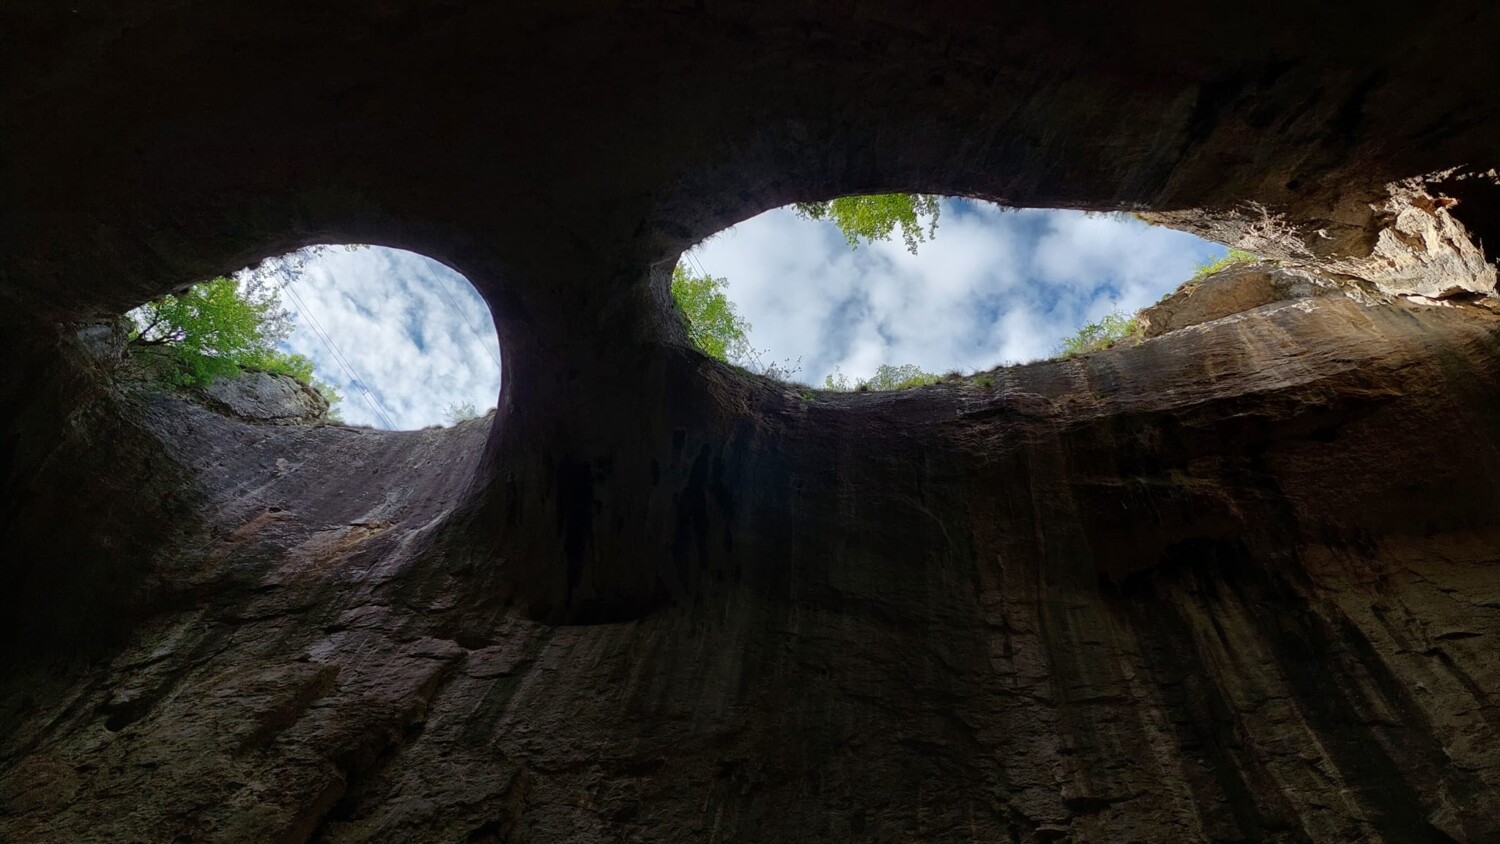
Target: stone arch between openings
(1208, 111)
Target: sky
(992, 287)
(411, 330)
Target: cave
(1235, 583)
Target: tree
(215, 328)
(876, 217)
(714, 325)
(219, 327)
(886, 377)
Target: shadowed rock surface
(1237, 582)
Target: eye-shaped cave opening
(896, 290)
(194, 425)
(374, 337)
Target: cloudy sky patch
(410, 329)
(992, 287)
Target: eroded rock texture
(1233, 290)
(267, 397)
(1234, 583)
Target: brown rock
(1232, 291)
(1234, 583)
(1406, 243)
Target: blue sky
(992, 287)
(410, 329)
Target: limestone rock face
(267, 397)
(1407, 243)
(1183, 592)
(1232, 291)
(1422, 250)
(1237, 582)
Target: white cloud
(992, 287)
(413, 331)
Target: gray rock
(267, 397)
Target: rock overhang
(1182, 568)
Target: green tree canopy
(219, 327)
(886, 377)
(714, 325)
(876, 217)
(214, 328)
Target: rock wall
(1233, 583)
(268, 397)
(1230, 292)
(1410, 243)
(1170, 591)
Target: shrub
(886, 377)
(1233, 259)
(1097, 336)
(457, 412)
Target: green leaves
(889, 377)
(886, 377)
(220, 327)
(717, 329)
(211, 328)
(272, 360)
(1235, 257)
(876, 217)
(1097, 336)
(714, 325)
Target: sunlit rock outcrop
(268, 397)
(1409, 243)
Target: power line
(462, 313)
(341, 360)
(338, 356)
